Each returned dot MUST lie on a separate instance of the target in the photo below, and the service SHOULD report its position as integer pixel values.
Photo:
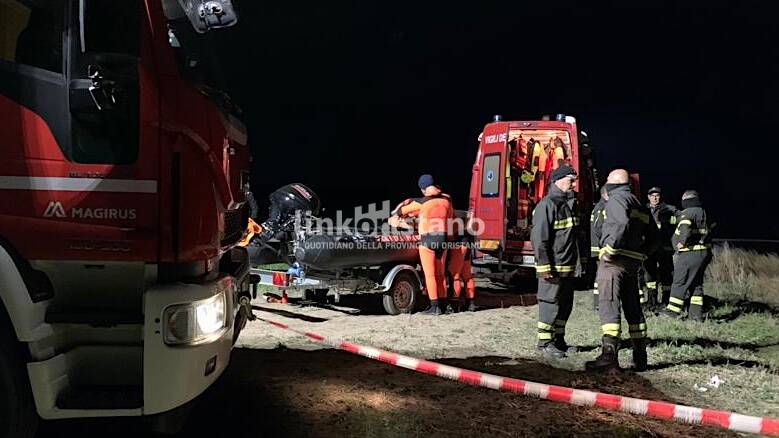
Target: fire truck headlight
(196, 323)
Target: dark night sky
(356, 99)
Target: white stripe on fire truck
(77, 184)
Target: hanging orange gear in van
(533, 161)
(518, 152)
(557, 153)
(542, 172)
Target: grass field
(739, 275)
(738, 342)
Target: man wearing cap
(658, 268)
(554, 237)
(692, 241)
(435, 213)
(627, 236)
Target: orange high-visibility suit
(435, 211)
(252, 229)
(460, 270)
(557, 154)
(550, 158)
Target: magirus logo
(55, 209)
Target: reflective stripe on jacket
(554, 234)
(596, 222)
(693, 230)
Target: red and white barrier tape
(560, 394)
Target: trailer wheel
(403, 295)
(18, 417)
(316, 295)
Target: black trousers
(658, 275)
(555, 303)
(689, 268)
(618, 292)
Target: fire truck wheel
(403, 295)
(18, 417)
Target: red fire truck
(511, 175)
(122, 173)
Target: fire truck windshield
(196, 55)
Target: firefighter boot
(665, 296)
(608, 356)
(639, 355)
(433, 309)
(469, 306)
(550, 351)
(695, 312)
(666, 313)
(453, 306)
(646, 299)
(559, 342)
(651, 304)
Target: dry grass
(737, 274)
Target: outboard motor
(287, 200)
(273, 244)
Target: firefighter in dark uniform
(628, 234)
(555, 242)
(596, 222)
(692, 241)
(658, 268)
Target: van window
(490, 176)
(32, 35)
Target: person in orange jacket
(435, 213)
(252, 229)
(459, 259)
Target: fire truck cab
(511, 175)
(122, 176)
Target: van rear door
(490, 193)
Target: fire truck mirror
(107, 76)
(209, 14)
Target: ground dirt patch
(326, 393)
(280, 384)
